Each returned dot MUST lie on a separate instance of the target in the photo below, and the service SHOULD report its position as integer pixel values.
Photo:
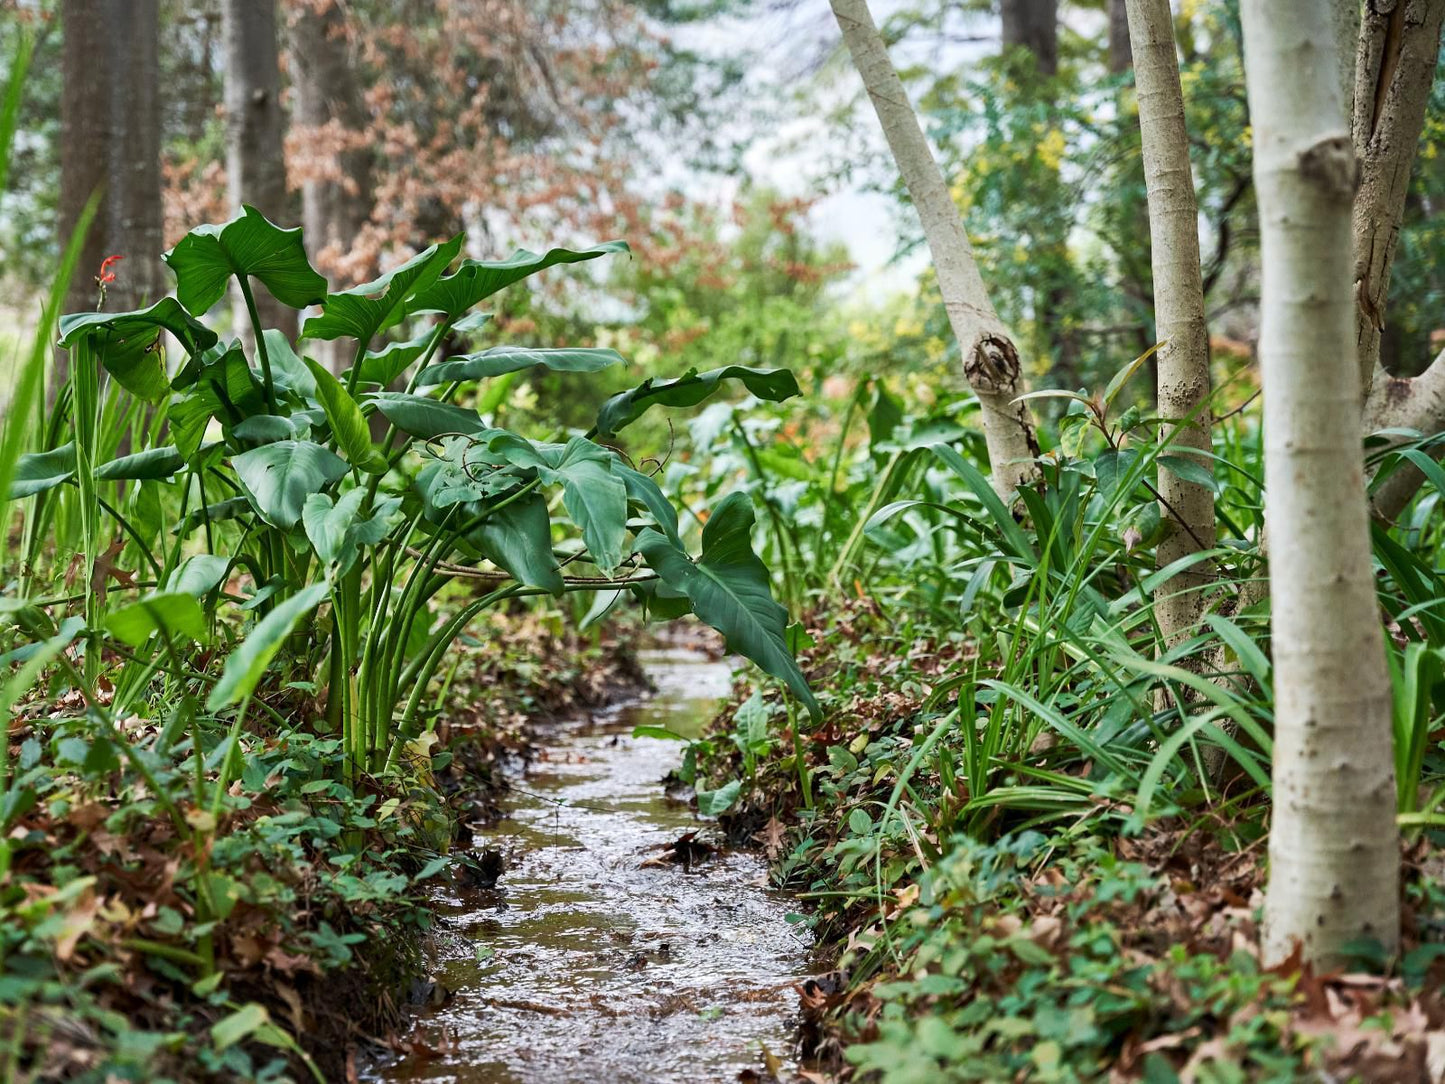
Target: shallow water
(588, 965)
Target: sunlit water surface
(591, 966)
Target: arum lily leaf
(129, 345)
(730, 589)
(518, 538)
(425, 418)
(151, 463)
(279, 477)
(36, 472)
(365, 311)
(174, 613)
(623, 409)
(348, 425)
(509, 359)
(247, 664)
(477, 280)
(248, 245)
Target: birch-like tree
(1183, 360)
(990, 358)
(1334, 861)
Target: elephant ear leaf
(623, 409)
(248, 245)
(129, 346)
(365, 311)
(279, 477)
(729, 588)
(519, 539)
(477, 280)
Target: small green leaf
(35, 472)
(151, 463)
(176, 613)
(241, 1024)
(714, 803)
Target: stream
(594, 960)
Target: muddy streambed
(593, 961)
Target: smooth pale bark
(1033, 25)
(336, 194)
(990, 359)
(255, 129)
(1183, 360)
(1334, 856)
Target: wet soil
(608, 951)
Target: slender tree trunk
(85, 136)
(136, 212)
(1334, 859)
(1033, 25)
(1183, 360)
(1394, 67)
(1121, 54)
(255, 129)
(990, 359)
(336, 186)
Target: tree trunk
(136, 212)
(1183, 360)
(336, 186)
(1394, 67)
(1121, 53)
(255, 129)
(1334, 858)
(85, 137)
(990, 359)
(1033, 25)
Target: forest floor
(327, 893)
(1091, 947)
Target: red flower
(106, 275)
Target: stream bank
(617, 946)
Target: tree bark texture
(1033, 25)
(1183, 361)
(136, 211)
(990, 359)
(255, 130)
(1121, 52)
(1333, 847)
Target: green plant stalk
(261, 352)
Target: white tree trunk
(1334, 859)
(990, 359)
(1183, 360)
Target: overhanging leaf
(730, 589)
(509, 359)
(129, 346)
(151, 463)
(35, 472)
(477, 280)
(348, 426)
(623, 409)
(519, 539)
(423, 417)
(365, 311)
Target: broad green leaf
(510, 359)
(327, 522)
(348, 426)
(35, 472)
(247, 664)
(730, 589)
(151, 463)
(623, 409)
(646, 492)
(199, 574)
(463, 470)
(241, 1024)
(714, 803)
(477, 280)
(176, 613)
(365, 311)
(265, 428)
(215, 512)
(209, 255)
(129, 344)
(519, 539)
(288, 370)
(382, 366)
(279, 477)
(425, 418)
